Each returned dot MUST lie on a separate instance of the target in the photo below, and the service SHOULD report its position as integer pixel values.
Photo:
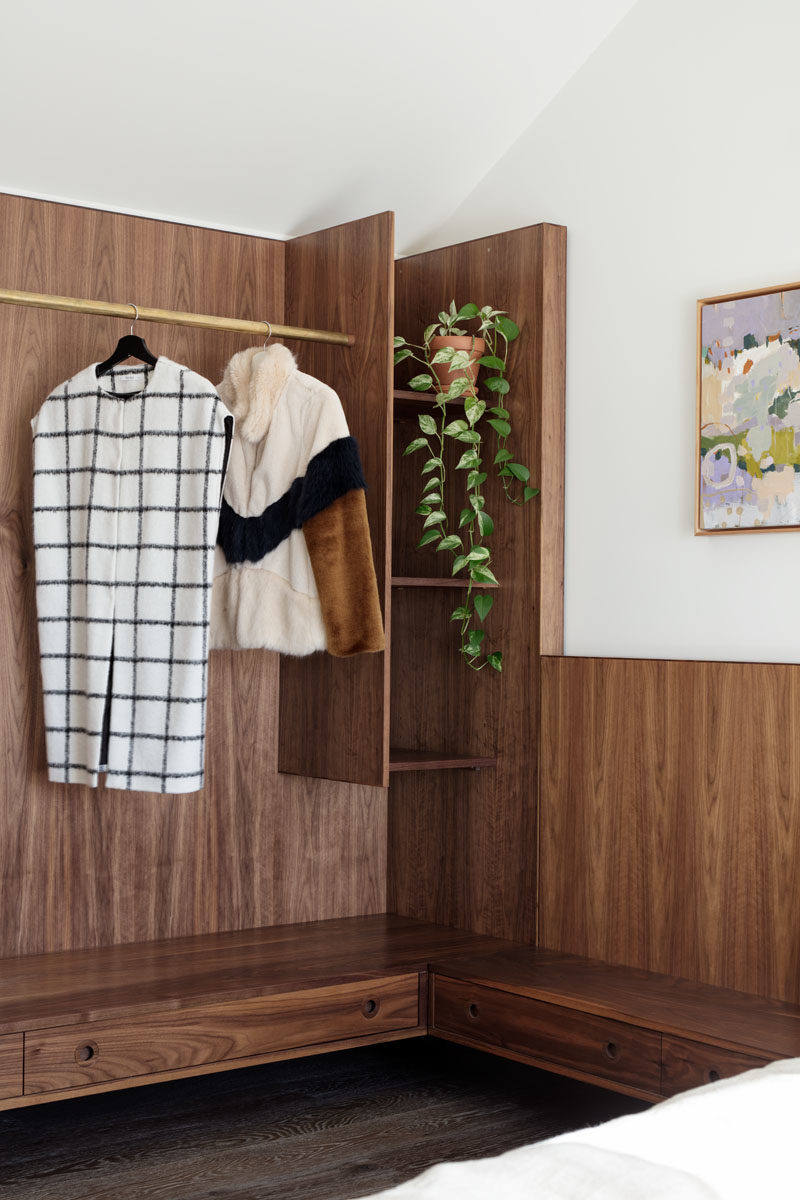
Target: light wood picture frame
(748, 412)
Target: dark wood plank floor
(329, 1128)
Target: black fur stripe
(329, 475)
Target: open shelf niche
(463, 842)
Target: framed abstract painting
(748, 411)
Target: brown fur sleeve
(341, 556)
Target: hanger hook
(269, 335)
(136, 315)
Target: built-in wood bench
(101, 1019)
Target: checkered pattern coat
(127, 481)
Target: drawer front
(580, 1041)
(10, 1065)
(688, 1064)
(78, 1055)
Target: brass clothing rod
(164, 316)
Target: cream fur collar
(250, 390)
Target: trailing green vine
(469, 547)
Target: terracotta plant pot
(476, 348)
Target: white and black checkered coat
(127, 480)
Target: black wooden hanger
(129, 346)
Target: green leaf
(478, 502)
(445, 355)
(429, 332)
(496, 384)
(466, 518)
(426, 423)
(458, 387)
(421, 383)
(500, 412)
(505, 473)
(451, 542)
(468, 312)
(432, 497)
(453, 312)
(400, 355)
(460, 614)
(474, 639)
(501, 427)
(519, 472)
(459, 564)
(491, 360)
(455, 427)
(483, 575)
(469, 435)
(434, 518)
(476, 478)
(432, 535)
(433, 482)
(482, 605)
(417, 444)
(529, 492)
(474, 409)
(433, 464)
(502, 455)
(399, 341)
(485, 524)
(422, 510)
(507, 328)
(478, 554)
(495, 659)
(468, 460)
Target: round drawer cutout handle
(370, 1006)
(712, 1076)
(473, 1012)
(86, 1052)
(611, 1050)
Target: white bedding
(731, 1140)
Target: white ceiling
(279, 118)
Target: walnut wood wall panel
(80, 867)
(670, 818)
(334, 721)
(462, 845)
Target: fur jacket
(293, 569)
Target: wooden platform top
(41, 990)
(720, 1016)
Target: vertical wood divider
(334, 712)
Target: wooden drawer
(10, 1065)
(533, 1029)
(687, 1064)
(77, 1055)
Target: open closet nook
(383, 845)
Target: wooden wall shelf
(428, 760)
(418, 581)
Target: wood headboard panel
(670, 818)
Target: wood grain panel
(500, 1021)
(10, 1065)
(670, 818)
(81, 867)
(73, 1056)
(464, 851)
(334, 720)
(687, 1064)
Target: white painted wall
(672, 156)
(278, 116)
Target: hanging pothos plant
(454, 382)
